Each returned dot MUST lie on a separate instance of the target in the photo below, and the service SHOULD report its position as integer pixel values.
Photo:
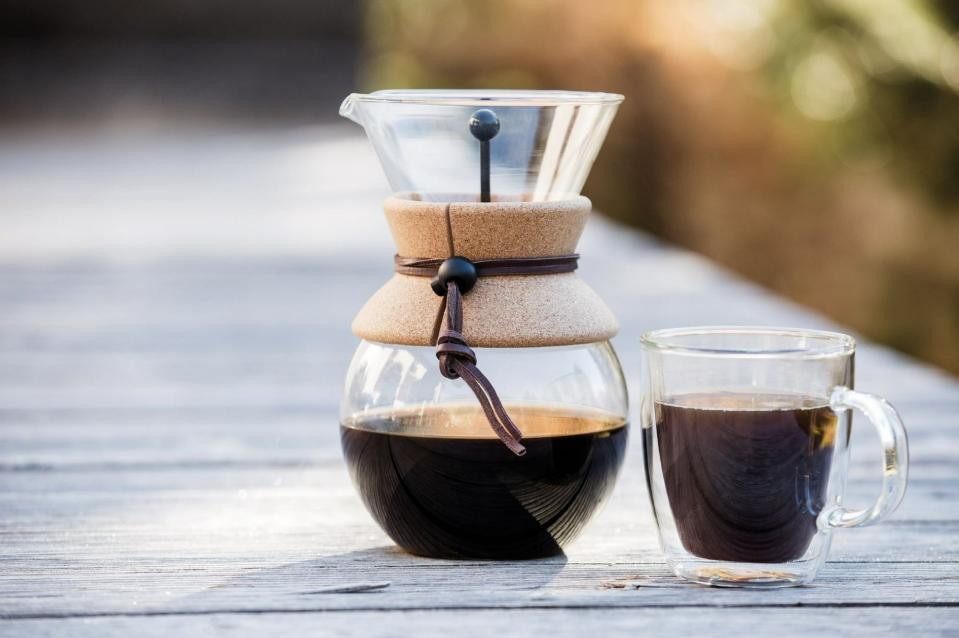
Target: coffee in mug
(746, 445)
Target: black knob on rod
(458, 269)
(484, 125)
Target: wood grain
(169, 453)
(876, 622)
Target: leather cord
(456, 359)
(428, 267)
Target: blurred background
(812, 146)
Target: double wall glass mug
(746, 448)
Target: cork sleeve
(500, 311)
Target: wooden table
(174, 330)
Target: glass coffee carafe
(485, 411)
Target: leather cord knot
(456, 359)
(449, 345)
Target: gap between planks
(423, 608)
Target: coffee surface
(746, 476)
(440, 483)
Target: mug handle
(895, 458)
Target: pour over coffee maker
(485, 411)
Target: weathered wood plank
(226, 446)
(892, 622)
(139, 439)
(425, 585)
(74, 492)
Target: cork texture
(501, 311)
(486, 231)
(419, 228)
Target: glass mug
(746, 448)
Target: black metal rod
(484, 172)
(484, 125)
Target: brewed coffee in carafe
(484, 414)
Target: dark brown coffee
(467, 495)
(745, 475)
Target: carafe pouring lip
(350, 108)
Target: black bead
(458, 269)
(484, 125)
